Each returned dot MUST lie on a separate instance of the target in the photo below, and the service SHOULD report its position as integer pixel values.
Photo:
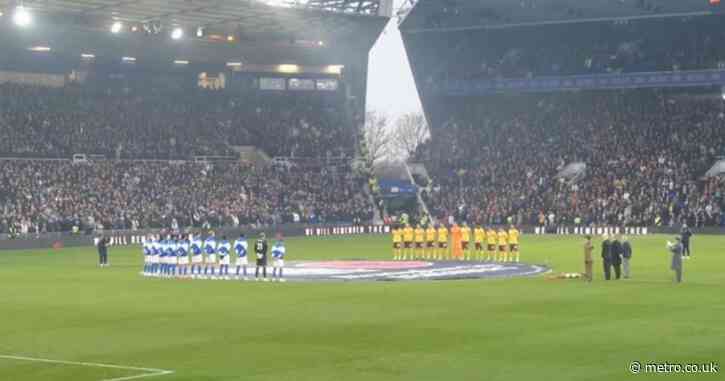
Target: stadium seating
(646, 152)
(119, 191)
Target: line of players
(433, 243)
(188, 256)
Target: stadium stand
(645, 152)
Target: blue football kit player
(182, 251)
(162, 257)
(224, 250)
(278, 253)
(171, 246)
(146, 246)
(210, 250)
(197, 255)
(240, 247)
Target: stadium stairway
(418, 175)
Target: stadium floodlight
(88, 56)
(116, 27)
(230, 38)
(22, 17)
(199, 32)
(234, 64)
(128, 59)
(177, 33)
(40, 49)
(181, 62)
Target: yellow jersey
(397, 235)
(502, 237)
(513, 236)
(442, 234)
(430, 234)
(479, 235)
(465, 234)
(419, 235)
(408, 234)
(491, 237)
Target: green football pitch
(63, 318)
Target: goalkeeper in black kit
(260, 248)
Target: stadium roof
(228, 29)
(462, 14)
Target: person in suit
(676, 263)
(685, 235)
(102, 245)
(588, 260)
(607, 257)
(616, 252)
(626, 256)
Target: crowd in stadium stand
(590, 48)
(54, 195)
(60, 122)
(645, 150)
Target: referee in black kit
(102, 245)
(260, 248)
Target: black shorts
(491, 247)
(501, 247)
(464, 244)
(262, 262)
(431, 244)
(396, 245)
(479, 246)
(408, 245)
(442, 245)
(514, 247)
(419, 245)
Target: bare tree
(411, 130)
(377, 137)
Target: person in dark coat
(676, 263)
(626, 256)
(102, 246)
(685, 235)
(616, 250)
(607, 257)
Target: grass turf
(59, 305)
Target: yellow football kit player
(491, 244)
(465, 240)
(442, 243)
(408, 242)
(430, 239)
(397, 243)
(419, 241)
(502, 246)
(479, 235)
(513, 236)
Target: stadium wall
(124, 238)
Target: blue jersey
(278, 251)
(210, 246)
(196, 246)
(240, 247)
(171, 248)
(224, 248)
(146, 248)
(182, 249)
(162, 247)
(154, 247)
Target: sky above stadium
(391, 89)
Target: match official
(607, 257)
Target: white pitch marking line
(150, 372)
